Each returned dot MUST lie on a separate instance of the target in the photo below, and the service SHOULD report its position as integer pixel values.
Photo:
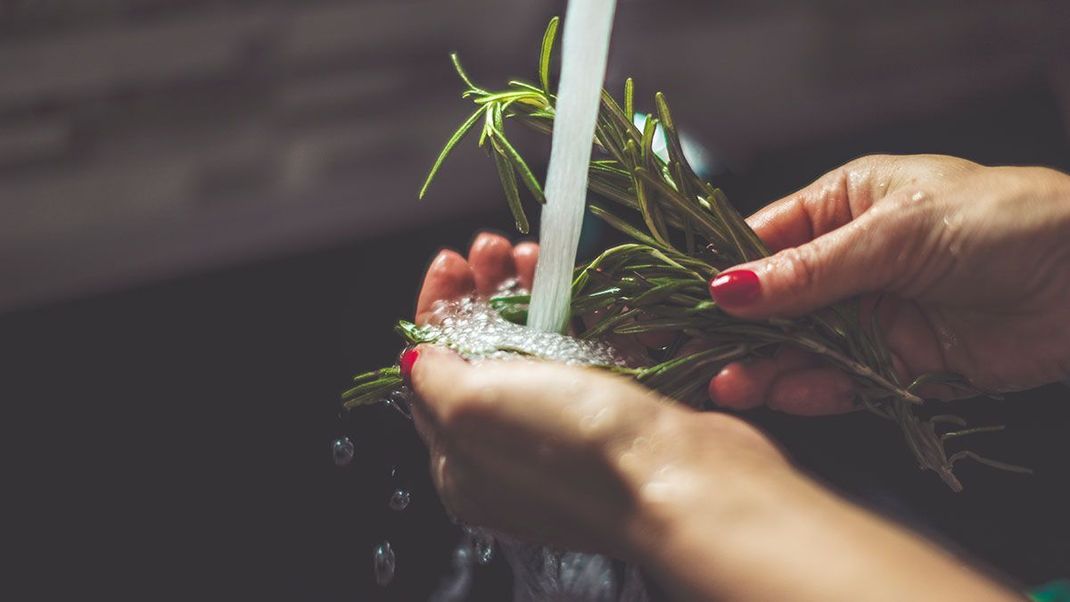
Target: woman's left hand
(567, 455)
(576, 457)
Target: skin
(704, 501)
(971, 262)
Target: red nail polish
(735, 288)
(407, 361)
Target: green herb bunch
(685, 233)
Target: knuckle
(799, 265)
(473, 398)
(872, 160)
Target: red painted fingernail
(735, 288)
(407, 361)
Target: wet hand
(587, 461)
(973, 264)
(491, 260)
(576, 457)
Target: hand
(590, 461)
(577, 457)
(547, 451)
(492, 260)
(972, 263)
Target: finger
(449, 277)
(796, 219)
(813, 392)
(526, 255)
(742, 385)
(438, 380)
(866, 255)
(491, 258)
(828, 203)
(745, 385)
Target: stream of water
(584, 51)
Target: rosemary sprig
(659, 282)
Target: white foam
(471, 327)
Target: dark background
(207, 223)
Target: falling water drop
(484, 550)
(342, 450)
(399, 400)
(399, 500)
(482, 543)
(384, 562)
(462, 556)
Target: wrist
(1045, 189)
(708, 487)
(721, 515)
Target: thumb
(859, 257)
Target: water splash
(471, 327)
(342, 451)
(541, 573)
(475, 330)
(481, 542)
(484, 549)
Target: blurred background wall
(140, 138)
(208, 220)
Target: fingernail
(735, 288)
(407, 361)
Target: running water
(584, 50)
(541, 573)
(474, 329)
(471, 327)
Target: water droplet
(482, 544)
(400, 499)
(399, 400)
(462, 556)
(342, 450)
(385, 563)
(484, 552)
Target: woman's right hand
(973, 264)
